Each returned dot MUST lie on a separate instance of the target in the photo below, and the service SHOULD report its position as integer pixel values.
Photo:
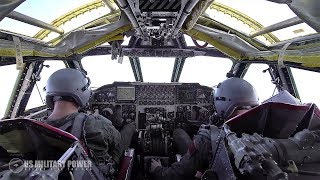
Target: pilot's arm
(103, 139)
(196, 159)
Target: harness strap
(215, 137)
(76, 125)
(220, 163)
(65, 126)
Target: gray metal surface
(308, 11)
(32, 21)
(23, 88)
(6, 6)
(230, 40)
(161, 52)
(177, 69)
(70, 42)
(136, 68)
(184, 14)
(277, 26)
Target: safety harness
(220, 166)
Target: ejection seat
(25, 139)
(283, 97)
(277, 120)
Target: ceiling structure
(229, 26)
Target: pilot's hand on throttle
(154, 164)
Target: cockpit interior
(157, 64)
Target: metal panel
(177, 69)
(32, 21)
(277, 26)
(136, 68)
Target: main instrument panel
(157, 110)
(147, 102)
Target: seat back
(33, 140)
(283, 97)
(276, 120)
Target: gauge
(100, 97)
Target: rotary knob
(100, 97)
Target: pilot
(68, 90)
(232, 97)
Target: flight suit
(197, 158)
(102, 139)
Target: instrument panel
(177, 103)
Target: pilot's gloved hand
(154, 164)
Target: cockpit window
(63, 15)
(261, 81)
(208, 71)
(38, 95)
(233, 13)
(102, 70)
(9, 75)
(308, 85)
(156, 69)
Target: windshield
(102, 70)
(208, 71)
(10, 73)
(157, 69)
(38, 94)
(261, 81)
(307, 85)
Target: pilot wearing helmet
(232, 97)
(67, 90)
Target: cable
(309, 173)
(71, 175)
(39, 93)
(198, 45)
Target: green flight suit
(196, 159)
(102, 139)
